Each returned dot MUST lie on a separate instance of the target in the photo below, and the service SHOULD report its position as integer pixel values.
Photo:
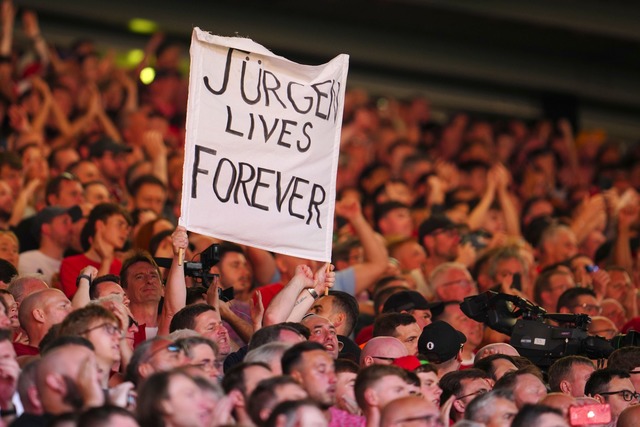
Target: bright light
(142, 26)
(147, 75)
(134, 56)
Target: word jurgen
(269, 89)
(258, 187)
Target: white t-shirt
(36, 262)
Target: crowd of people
(98, 328)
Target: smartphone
(591, 268)
(589, 414)
(517, 282)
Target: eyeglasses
(475, 393)
(109, 327)
(627, 395)
(591, 308)
(171, 348)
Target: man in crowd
(53, 227)
(378, 385)
(413, 303)
(401, 326)
(313, 368)
(465, 386)
(612, 386)
(382, 351)
(38, 313)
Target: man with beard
(313, 368)
(69, 363)
(105, 232)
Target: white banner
(262, 146)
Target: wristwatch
(83, 276)
(313, 293)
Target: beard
(72, 397)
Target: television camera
(533, 337)
(200, 270)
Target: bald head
(629, 417)
(57, 377)
(41, 310)
(406, 409)
(382, 350)
(496, 348)
(23, 286)
(603, 327)
(560, 401)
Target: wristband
(83, 276)
(313, 293)
(7, 412)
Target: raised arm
(32, 31)
(621, 249)
(157, 152)
(375, 251)
(295, 299)
(511, 220)
(7, 15)
(243, 328)
(82, 295)
(479, 213)
(175, 291)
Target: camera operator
(578, 301)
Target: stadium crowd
(93, 332)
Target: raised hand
(324, 279)
(179, 239)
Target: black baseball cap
(407, 300)
(440, 342)
(103, 145)
(45, 216)
(433, 223)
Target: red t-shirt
(267, 292)
(25, 350)
(71, 267)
